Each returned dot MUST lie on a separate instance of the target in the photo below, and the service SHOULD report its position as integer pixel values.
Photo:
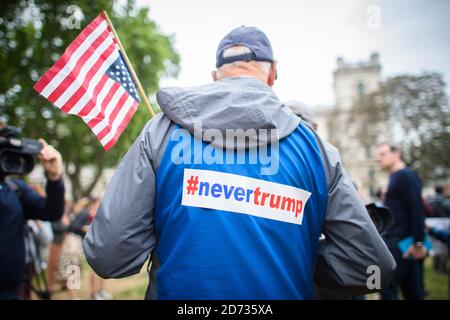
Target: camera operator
(18, 203)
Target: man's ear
(214, 75)
(272, 74)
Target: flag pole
(130, 67)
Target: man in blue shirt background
(404, 198)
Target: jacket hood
(241, 107)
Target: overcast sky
(308, 36)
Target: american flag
(92, 80)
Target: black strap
(242, 57)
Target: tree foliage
(414, 112)
(33, 34)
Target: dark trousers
(408, 276)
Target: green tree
(33, 34)
(415, 112)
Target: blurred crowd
(56, 258)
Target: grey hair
(392, 147)
(236, 51)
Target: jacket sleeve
(352, 243)
(122, 235)
(49, 208)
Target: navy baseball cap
(250, 37)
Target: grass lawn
(133, 288)
(436, 284)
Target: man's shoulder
(154, 137)
(156, 128)
(407, 171)
(406, 176)
(15, 184)
(403, 173)
(12, 194)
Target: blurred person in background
(404, 198)
(19, 203)
(440, 202)
(38, 235)
(444, 236)
(98, 291)
(59, 232)
(79, 226)
(305, 112)
(379, 196)
(70, 262)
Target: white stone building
(351, 82)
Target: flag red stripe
(122, 126)
(76, 70)
(113, 115)
(117, 108)
(50, 74)
(86, 81)
(93, 100)
(79, 84)
(104, 105)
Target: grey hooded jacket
(122, 236)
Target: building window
(368, 151)
(360, 89)
(371, 174)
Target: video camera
(16, 154)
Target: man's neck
(398, 166)
(249, 70)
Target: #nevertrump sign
(241, 194)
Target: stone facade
(336, 124)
